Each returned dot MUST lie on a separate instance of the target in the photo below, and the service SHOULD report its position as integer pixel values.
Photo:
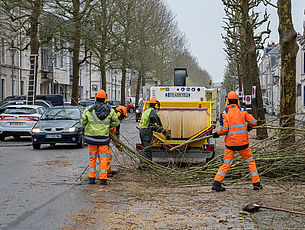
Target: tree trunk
(76, 51)
(104, 44)
(34, 44)
(240, 86)
(138, 89)
(123, 86)
(251, 77)
(103, 73)
(289, 49)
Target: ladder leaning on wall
(32, 79)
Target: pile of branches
(273, 164)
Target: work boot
(91, 181)
(217, 187)
(112, 173)
(257, 186)
(103, 182)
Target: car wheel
(36, 146)
(81, 143)
(131, 110)
(2, 138)
(16, 136)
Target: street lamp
(12, 52)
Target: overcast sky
(202, 21)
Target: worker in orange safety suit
(121, 112)
(96, 120)
(235, 124)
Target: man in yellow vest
(97, 119)
(150, 121)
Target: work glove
(216, 135)
(249, 128)
(166, 134)
(119, 147)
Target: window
(3, 51)
(2, 87)
(304, 62)
(87, 68)
(22, 87)
(13, 85)
(61, 58)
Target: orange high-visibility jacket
(234, 122)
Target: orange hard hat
(153, 100)
(122, 110)
(101, 94)
(232, 95)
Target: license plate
(53, 136)
(16, 123)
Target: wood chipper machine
(186, 115)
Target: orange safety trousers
(247, 155)
(104, 155)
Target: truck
(186, 115)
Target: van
(55, 99)
(266, 104)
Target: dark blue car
(59, 124)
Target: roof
(275, 50)
(64, 106)
(26, 106)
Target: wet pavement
(38, 187)
(39, 191)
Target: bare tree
(27, 13)
(289, 49)
(75, 13)
(101, 43)
(242, 21)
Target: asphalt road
(38, 188)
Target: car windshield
(61, 114)
(20, 110)
(116, 103)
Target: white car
(18, 120)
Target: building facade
(270, 77)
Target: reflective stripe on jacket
(144, 123)
(234, 122)
(96, 130)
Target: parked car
(266, 104)
(59, 124)
(55, 99)
(139, 112)
(43, 103)
(11, 98)
(129, 106)
(86, 103)
(18, 120)
(114, 104)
